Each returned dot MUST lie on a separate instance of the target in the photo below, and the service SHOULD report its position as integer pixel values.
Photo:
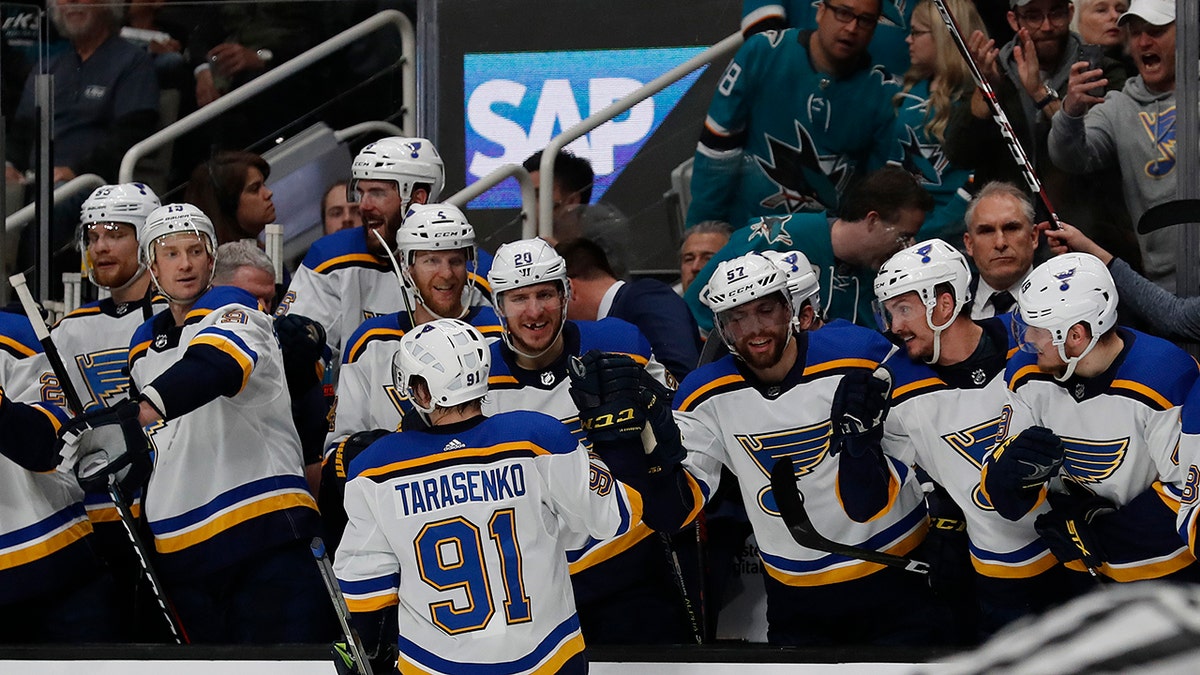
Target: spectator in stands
(1096, 23)
(880, 215)
(163, 39)
(887, 46)
(795, 120)
(700, 243)
(337, 211)
(937, 81)
(1001, 240)
(573, 179)
(1133, 129)
(231, 189)
(105, 100)
(1028, 75)
(649, 304)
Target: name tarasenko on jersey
(469, 485)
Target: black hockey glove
(605, 389)
(108, 442)
(1068, 528)
(331, 496)
(302, 342)
(1020, 467)
(860, 405)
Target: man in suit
(651, 305)
(1001, 239)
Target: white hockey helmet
(451, 356)
(522, 263)
(429, 227)
(1061, 292)
(404, 161)
(802, 282)
(127, 203)
(741, 280)
(175, 219)
(920, 269)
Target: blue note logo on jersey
(517, 102)
(1088, 461)
(973, 444)
(104, 373)
(1160, 127)
(400, 400)
(807, 446)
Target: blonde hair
(951, 79)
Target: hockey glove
(661, 439)
(1019, 468)
(334, 470)
(605, 389)
(1068, 528)
(302, 342)
(108, 442)
(860, 405)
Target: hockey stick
(114, 491)
(353, 642)
(791, 509)
(1006, 129)
(1168, 214)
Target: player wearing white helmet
(437, 259)
(213, 394)
(782, 394)
(620, 577)
(94, 343)
(802, 285)
(345, 277)
(519, 476)
(945, 415)
(1092, 425)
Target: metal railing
(528, 194)
(257, 85)
(545, 224)
(24, 215)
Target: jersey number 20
(450, 553)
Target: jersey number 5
(450, 553)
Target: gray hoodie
(1135, 128)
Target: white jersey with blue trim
(460, 528)
(366, 396)
(41, 514)
(228, 476)
(1121, 429)
(341, 284)
(1187, 484)
(511, 388)
(947, 421)
(727, 420)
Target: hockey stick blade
(1168, 214)
(791, 509)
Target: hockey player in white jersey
(53, 588)
(1092, 425)
(227, 503)
(615, 579)
(437, 254)
(779, 394)
(94, 343)
(948, 393)
(346, 277)
(457, 528)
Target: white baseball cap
(1154, 12)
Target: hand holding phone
(1092, 54)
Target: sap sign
(516, 103)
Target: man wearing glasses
(1029, 76)
(797, 118)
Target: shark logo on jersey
(973, 444)
(104, 373)
(1088, 461)
(773, 229)
(806, 181)
(925, 161)
(807, 446)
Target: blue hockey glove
(860, 406)
(1026, 461)
(1068, 528)
(108, 442)
(665, 449)
(302, 342)
(605, 389)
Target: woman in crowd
(231, 189)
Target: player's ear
(420, 195)
(807, 314)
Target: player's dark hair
(573, 174)
(586, 260)
(342, 183)
(216, 188)
(886, 191)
